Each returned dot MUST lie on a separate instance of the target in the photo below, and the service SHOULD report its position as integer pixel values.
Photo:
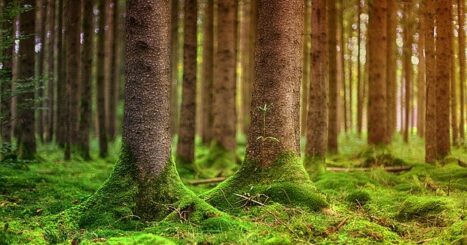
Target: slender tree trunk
(25, 100)
(453, 89)
(391, 69)
(342, 118)
(207, 70)
(41, 68)
(110, 92)
(431, 85)
(317, 109)
(443, 69)
(7, 73)
(100, 89)
(305, 86)
(174, 57)
(61, 88)
(186, 135)
(87, 54)
(407, 60)
(377, 103)
(224, 114)
(359, 70)
(421, 85)
(333, 126)
(49, 115)
(115, 72)
(461, 49)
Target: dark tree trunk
(25, 100)
(49, 115)
(186, 135)
(391, 69)
(7, 72)
(207, 70)
(41, 61)
(61, 88)
(100, 88)
(174, 59)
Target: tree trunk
(443, 76)
(61, 88)
(305, 86)
(186, 134)
(421, 85)
(207, 70)
(360, 81)
(342, 116)
(453, 89)
(407, 63)
(317, 108)
(377, 104)
(7, 73)
(224, 114)
(431, 85)
(175, 58)
(100, 90)
(86, 78)
(41, 61)
(391, 69)
(461, 49)
(49, 115)
(333, 126)
(25, 100)
(110, 92)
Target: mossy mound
(142, 239)
(425, 210)
(286, 182)
(376, 157)
(358, 198)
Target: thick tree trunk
(443, 76)
(86, 76)
(377, 104)
(7, 73)
(461, 49)
(25, 100)
(431, 85)
(207, 70)
(317, 109)
(49, 115)
(333, 126)
(186, 134)
(407, 63)
(224, 113)
(421, 84)
(391, 69)
(100, 88)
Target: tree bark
(41, 31)
(391, 69)
(25, 100)
(186, 134)
(61, 88)
(207, 70)
(443, 76)
(360, 81)
(421, 85)
(342, 116)
(224, 113)
(461, 49)
(453, 89)
(175, 58)
(305, 86)
(100, 89)
(7, 72)
(318, 103)
(407, 63)
(377, 103)
(49, 115)
(333, 126)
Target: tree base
(285, 182)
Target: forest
(233, 122)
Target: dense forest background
(223, 121)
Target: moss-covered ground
(424, 205)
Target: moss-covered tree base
(286, 182)
(114, 204)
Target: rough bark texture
(49, 115)
(333, 126)
(6, 82)
(25, 100)
(461, 49)
(86, 78)
(186, 134)
(224, 113)
(147, 121)
(73, 55)
(431, 86)
(207, 70)
(377, 42)
(391, 69)
(443, 76)
(100, 88)
(275, 110)
(407, 66)
(453, 88)
(317, 109)
(421, 84)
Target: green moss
(421, 209)
(358, 198)
(278, 240)
(286, 181)
(140, 239)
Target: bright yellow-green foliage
(427, 203)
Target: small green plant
(264, 110)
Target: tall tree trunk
(333, 126)
(391, 69)
(342, 116)
(87, 54)
(114, 85)
(245, 39)
(224, 114)
(25, 100)
(443, 77)
(61, 88)
(421, 85)
(7, 73)
(110, 93)
(461, 49)
(207, 70)
(318, 105)
(377, 103)
(407, 60)
(40, 59)
(186, 134)
(174, 59)
(360, 81)
(305, 86)
(453, 89)
(100, 89)
(49, 103)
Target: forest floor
(425, 204)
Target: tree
(207, 70)
(61, 88)
(360, 81)
(272, 166)
(377, 104)
(431, 85)
(224, 113)
(453, 89)
(7, 72)
(41, 25)
(461, 49)
(49, 115)
(186, 133)
(100, 88)
(114, 71)
(333, 126)
(443, 76)
(391, 69)
(421, 85)
(407, 64)
(86, 78)
(25, 100)
(317, 108)
(304, 91)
